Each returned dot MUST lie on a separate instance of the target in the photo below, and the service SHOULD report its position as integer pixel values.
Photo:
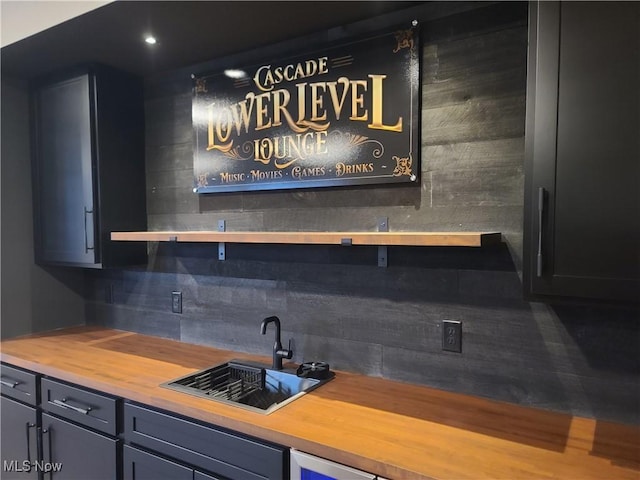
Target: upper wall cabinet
(582, 205)
(88, 167)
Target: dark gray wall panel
(472, 155)
(480, 186)
(138, 320)
(354, 356)
(239, 220)
(481, 119)
(334, 302)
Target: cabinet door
(76, 453)
(141, 465)
(582, 216)
(18, 439)
(63, 186)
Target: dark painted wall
(334, 302)
(33, 298)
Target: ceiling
(188, 32)
(22, 18)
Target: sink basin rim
(305, 385)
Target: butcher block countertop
(393, 429)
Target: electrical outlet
(176, 302)
(452, 336)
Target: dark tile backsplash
(335, 303)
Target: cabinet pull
(29, 426)
(42, 432)
(540, 224)
(13, 384)
(39, 442)
(86, 236)
(63, 403)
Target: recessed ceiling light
(150, 39)
(232, 73)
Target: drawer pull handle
(9, 384)
(29, 426)
(63, 403)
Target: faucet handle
(288, 353)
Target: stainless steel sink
(246, 385)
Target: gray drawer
(213, 449)
(19, 384)
(89, 408)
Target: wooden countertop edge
(575, 449)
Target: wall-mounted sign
(342, 116)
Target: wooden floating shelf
(421, 239)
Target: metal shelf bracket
(222, 248)
(383, 226)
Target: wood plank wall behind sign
(345, 115)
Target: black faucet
(278, 352)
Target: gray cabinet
(75, 433)
(582, 155)
(77, 453)
(212, 452)
(204, 476)
(79, 432)
(88, 167)
(19, 423)
(141, 465)
(18, 440)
